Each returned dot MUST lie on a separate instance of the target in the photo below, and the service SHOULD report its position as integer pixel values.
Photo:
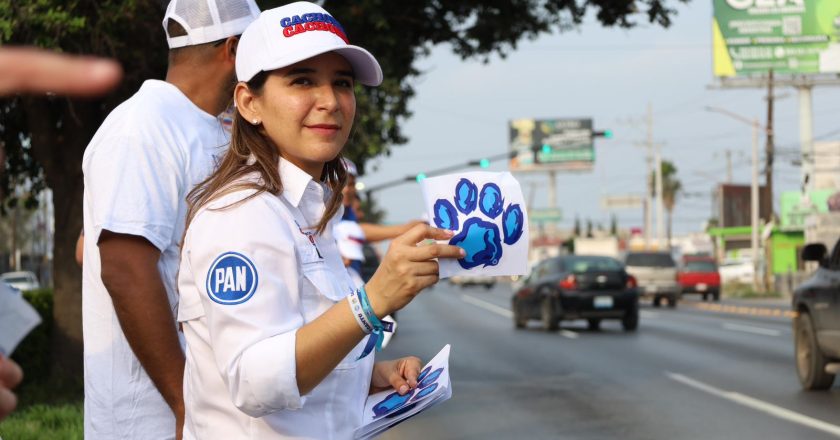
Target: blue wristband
(375, 339)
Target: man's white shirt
(138, 168)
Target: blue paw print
(480, 237)
(393, 404)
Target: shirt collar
(295, 182)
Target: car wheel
(716, 296)
(488, 286)
(594, 324)
(810, 362)
(547, 314)
(520, 320)
(705, 297)
(672, 302)
(630, 321)
(656, 301)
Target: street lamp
(756, 126)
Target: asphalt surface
(689, 373)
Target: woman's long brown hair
(246, 142)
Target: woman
(276, 333)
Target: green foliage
(38, 422)
(33, 353)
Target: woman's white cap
(289, 34)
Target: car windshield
(17, 279)
(650, 259)
(592, 264)
(700, 266)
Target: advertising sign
(789, 36)
(734, 205)
(551, 144)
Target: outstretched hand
(10, 377)
(408, 268)
(31, 70)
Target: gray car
(656, 273)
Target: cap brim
(365, 67)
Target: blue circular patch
(232, 279)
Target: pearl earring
(256, 121)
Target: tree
(46, 136)
(577, 226)
(671, 189)
(613, 225)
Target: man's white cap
(289, 34)
(349, 236)
(209, 20)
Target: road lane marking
(751, 329)
(501, 311)
(487, 306)
(759, 405)
(742, 310)
(568, 334)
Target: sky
(462, 110)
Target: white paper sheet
(386, 409)
(17, 319)
(488, 213)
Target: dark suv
(577, 287)
(816, 328)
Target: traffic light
(484, 163)
(546, 148)
(420, 176)
(608, 134)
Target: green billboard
(788, 36)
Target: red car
(700, 275)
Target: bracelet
(376, 336)
(359, 313)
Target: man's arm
(130, 273)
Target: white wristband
(359, 313)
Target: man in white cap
(138, 168)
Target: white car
(22, 280)
(737, 271)
(473, 280)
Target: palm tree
(671, 188)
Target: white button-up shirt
(253, 273)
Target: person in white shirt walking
(138, 168)
(279, 340)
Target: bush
(33, 353)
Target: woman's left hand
(399, 374)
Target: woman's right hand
(408, 268)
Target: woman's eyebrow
(299, 71)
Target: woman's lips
(324, 129)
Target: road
(689, 373)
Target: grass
(745, 291)
(49, 409)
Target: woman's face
(307, 110)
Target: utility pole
(657, 149)
(754, 206)
(768, 160)
(806, 138)
(728, 166)
(648, 183)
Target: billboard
(734, 206)
(551, 144)
(789, 36)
